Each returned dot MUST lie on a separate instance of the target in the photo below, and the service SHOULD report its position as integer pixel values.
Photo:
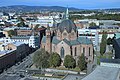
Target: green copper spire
(67, 13)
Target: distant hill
(114, 9)
(24, 8)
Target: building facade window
(71, 50)
(89, 51)
(62, 52)
(75, 51)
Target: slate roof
(79, 40)
(84, 40)
(55, 40)
(66, 41)
(74, 42)
(103, 73)
(68, 25)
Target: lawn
(77, 69)
(41, 75)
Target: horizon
(80, 4)
(63, 6)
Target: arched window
(75, 51)
(62, 52)
(83, 50)
(89, 51)
(71, 50)
(54, 48)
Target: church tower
(48, 40)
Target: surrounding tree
(92, 24)
(101, 24)
(69, 62)
(55, 60)
(11, 33)
(99, 16)
(36, 27)
(20, 19)
(103, 43)
(21, 24)
(81, 62)
(109, 41)
(41, 58)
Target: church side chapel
(66, 41)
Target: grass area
(99, 57)
(40, 75)
(105, 56)
(77, 69)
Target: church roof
(68, 25)
(55, 40)
(79, 40)
(66, 41)
(84, 40)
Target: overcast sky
(81, 4)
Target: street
(15, 72)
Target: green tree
(36, 27)
(81, 62)
(20, 19)
(101, 24)
(55, 60)
(109, 41)
(69, 62)
(21, 24)
(92, 24)
(103, 43)
(41, 58)
(11, 33)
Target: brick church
(66, 41)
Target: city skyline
(81, 4)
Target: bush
(69, 62)
(55, 60)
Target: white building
(95, 35)
(90, 21)
(32, 41)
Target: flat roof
(103, 73)
(2, 53)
